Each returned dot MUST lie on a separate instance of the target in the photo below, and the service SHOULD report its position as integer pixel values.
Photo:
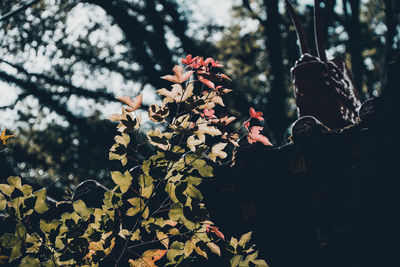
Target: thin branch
(19, 9)
(73, 89)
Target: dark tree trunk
(275, 111)
(391, 19)
(352, 24)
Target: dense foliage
(64, 61)
(155, 209)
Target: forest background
(63, 63)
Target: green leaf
(188, 249)
(206, 171)
(244, 239)
(122, 180)
(200, 165)
(260, 263)
(146, 212)
(138, 206)
(41, 205)
(252, 256)
(29, 262)
(20, 232)
(236, 260)
(3, 202)
(46, 227)
(9, 240)
(16, 251)
(146, 184)
(175, 250)
(81, 209)
(176, 211)
(170, 189)
(193, 192)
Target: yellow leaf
(122, 180)
(177, 94)
(159, 139)
(205, 128)
(200, 252)
(188, 249)
(216, 151)
(4, 137)
(214, 248)
(96, 246)
(148, 258)
(194, 141)
(163, 238)
(135, 236)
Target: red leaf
(255, 136)
(209, 83)
(256, 114)
(133, 104)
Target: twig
(19, 9)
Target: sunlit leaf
(133, 104)
(193, 141)
(179, 76)
(81, 209)
(157, 113)
(148, 258)
(176, 211)
(122, 180)
(214, 248)
(3, 202)
(236, 260)
(14, 181)
(163, 238)
(135, 235)
(175, 250)
(40, 204)
(159, 139)
(137, 206)
(29, 261)
(217, 152)
(6, 189)
(244, 239)
(188, 249)
(119, 150)
(4, 137)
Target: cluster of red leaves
(254, 134)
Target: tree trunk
(275, 111)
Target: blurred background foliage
(63, 62)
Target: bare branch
(19, 9)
